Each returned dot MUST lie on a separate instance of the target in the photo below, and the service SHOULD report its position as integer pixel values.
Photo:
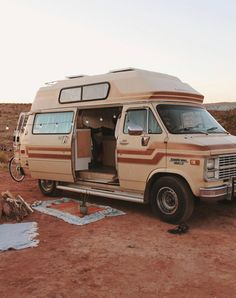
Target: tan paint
(49, 158)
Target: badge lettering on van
(178, 161)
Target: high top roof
(125, 85)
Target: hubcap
(47, 185)
(167, 200)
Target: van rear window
(84, 93)
(53, 123)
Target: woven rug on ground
(18, 235)
(69, 210)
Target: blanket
(68, 210)
(18, 235)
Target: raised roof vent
(122, 70)
(51, 83)
(76, 76)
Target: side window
(136, 117)
(153, 126)
(53, 123)
(142, 118)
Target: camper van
(129, 134)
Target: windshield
(180, 119)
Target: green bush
(3, 157)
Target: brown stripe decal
(137, 152)
(176, 98)
(178, 146)
(49, 156)
(49, 149)
(156, 159)
(177, 95)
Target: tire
(15, 170)
(48, 187)
(172, 200)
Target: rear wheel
(48, 187)
(172, 200)
(15, 170)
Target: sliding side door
(50, 145)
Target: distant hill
(9, 114)
(220, 106)
(225, 113)
(227, 119)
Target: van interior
(95, 145)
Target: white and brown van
(132, 135)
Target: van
(130, 134)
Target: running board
(112, 194)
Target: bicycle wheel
(15, 170)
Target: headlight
(210, 164)
(210, 174)
(212, 168)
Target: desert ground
(126, 256)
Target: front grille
(227, 173)
(227, 166)
(227, 160)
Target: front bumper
(226, 191)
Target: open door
(82, 149)
(50, 145)
(140, 146)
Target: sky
(46, 40)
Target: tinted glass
(139, 118)
(180, 119)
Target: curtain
(53, 123)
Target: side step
(113, 194)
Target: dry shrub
(3, 157)
(227, 119)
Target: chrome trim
(103, 193)
(213, 192)
(226, 191)
(215, 169)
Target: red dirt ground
(124, 256)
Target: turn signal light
(195, 162)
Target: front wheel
(15, 170)
(172, 200)
(48, 187)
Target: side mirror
(135, 130)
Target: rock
(14, 208)
(6, 209)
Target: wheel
(48, 187)
(15, 170)
(172, 200)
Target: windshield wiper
(214, 128)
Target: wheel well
(157, 176)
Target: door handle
(124, 142)
(145, 141)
